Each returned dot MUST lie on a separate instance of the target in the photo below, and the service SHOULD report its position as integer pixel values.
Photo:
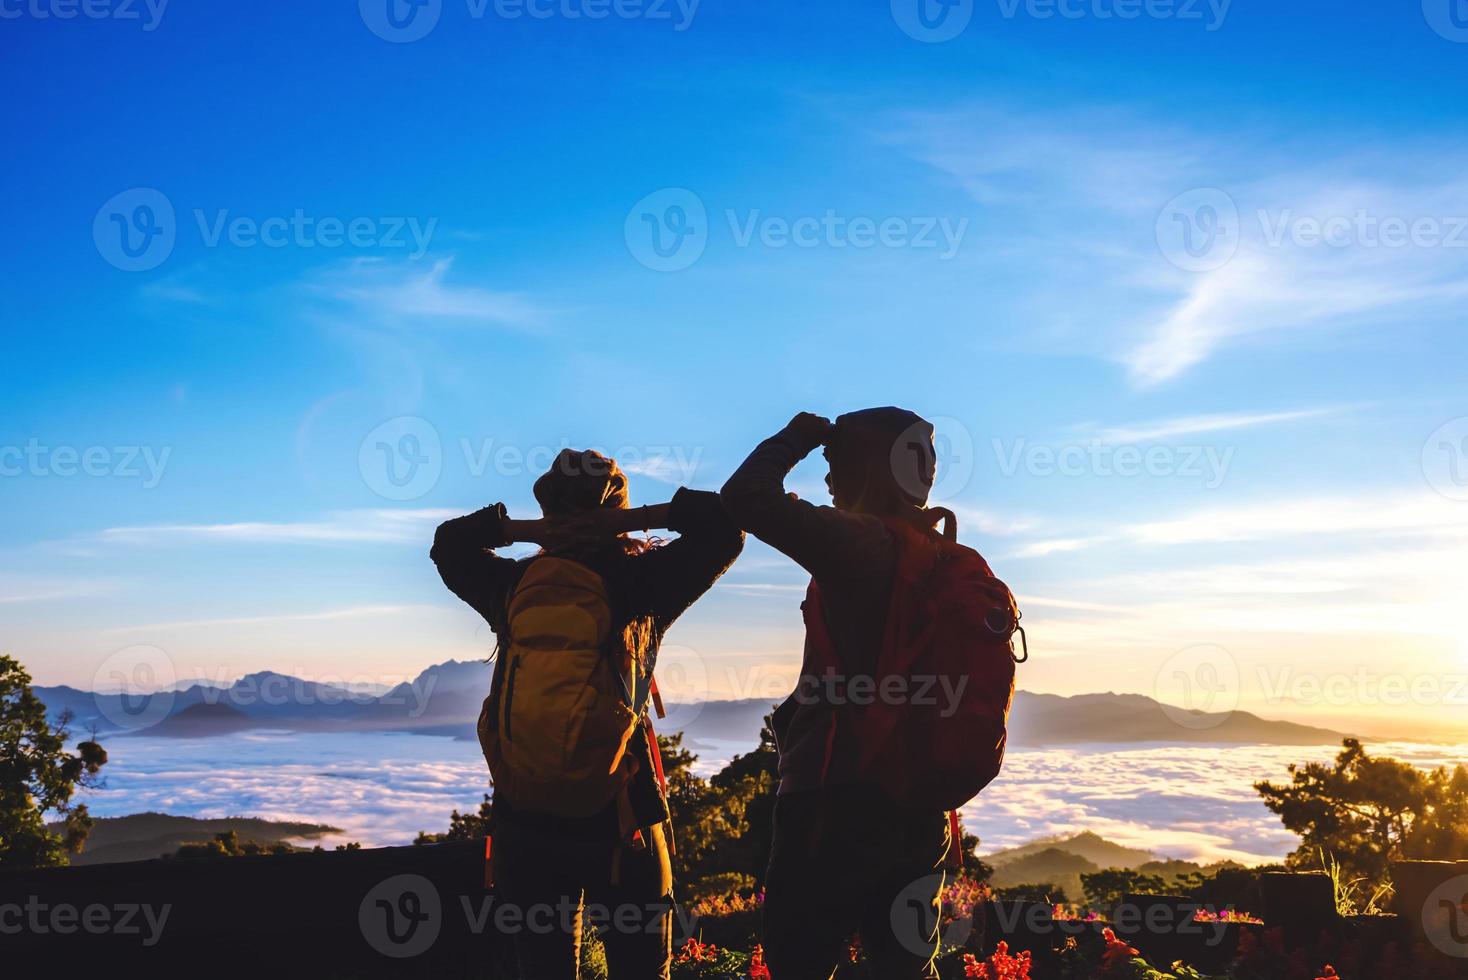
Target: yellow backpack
(556, 727)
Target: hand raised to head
(810, 430)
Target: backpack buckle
(1023, 642)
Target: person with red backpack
(580, 831)
(900, 713)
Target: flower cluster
(1000, 966)
(1226, 915)
(757, 968)
(961, 895)
(694, 951)
(719, 905)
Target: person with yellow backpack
(580, 817)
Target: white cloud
(356, 612)
(379, 526)
(409, 294)
(1197, 424)
(1277, 520)
(1092, 181)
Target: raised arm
(668, 579)
(463, 552)
(832, 545)
(609, 522)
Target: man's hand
(810, 430)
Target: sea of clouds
(1191, 802)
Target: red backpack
(948, 648)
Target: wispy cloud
(1411, 515)
(380, 526)
(355, 612)
(18, 589)
(408, 292)
(1197, 424)
(1273, 289)
(1096, 180)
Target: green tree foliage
(1043, 893)
(1106, 889)
(723, 825)
(38, 777)
(463, 826)
(229, 844)
(1226, 886)
(1368, 811)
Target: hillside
(1087, 846)
(144, 836)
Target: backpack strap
(954, 858)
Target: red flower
(1117, 952)
(1000, 966)
(1328, 974)
(757, 968)
(694, 951)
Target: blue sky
(993, 230)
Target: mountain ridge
(445, 699)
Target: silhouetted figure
(580, 818)
(868, 771)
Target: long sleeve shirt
(659, 584)
(852, 558)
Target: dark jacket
(852, 557)
(658, 585)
